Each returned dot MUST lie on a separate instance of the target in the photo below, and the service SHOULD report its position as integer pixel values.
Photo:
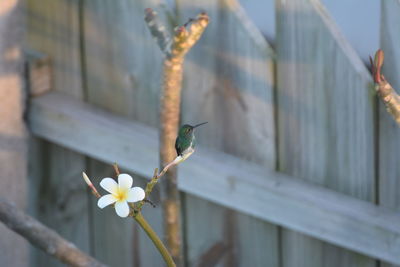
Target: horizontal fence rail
(223, 179)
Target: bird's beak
(200, 124)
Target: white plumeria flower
(120, 194)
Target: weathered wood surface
(122, 66)
(53, 30)
(228, 82)
(14, 251)
(227, 181)
(389, 131)
(325, 120)
(325, 135)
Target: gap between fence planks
(322, 213)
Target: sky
(360, 26)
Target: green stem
(156, 240)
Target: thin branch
(385, 91)
(154, 180)
(43, 237)
(116, 169)
(91, 186)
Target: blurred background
(284, 85)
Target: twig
(91, 186)
(116, 169)
(43, 237)
(385, 91)
(148, 189)
(183, 39)
(154, 180)
(150, 202)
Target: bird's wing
(178, 148)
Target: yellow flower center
(121, 194)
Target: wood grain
(228, 181)
(325, 118)
(389, 131)
(122, 75)
(53, 30)
(228, 82)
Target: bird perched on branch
(184, 145)
(186, 141)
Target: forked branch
(182, 40)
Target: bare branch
(43, 237)
(154, 180)
(116, 169)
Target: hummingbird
(186, 141)
(184, 145)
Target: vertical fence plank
(60, 199)
(389, 131)
(122, 67)
(228, 82)
(14, 250)
(325, 120)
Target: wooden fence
(298, 165)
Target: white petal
(106, 200)
(135, 194)
(109, 184)
(122, 208)
(125, 181)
